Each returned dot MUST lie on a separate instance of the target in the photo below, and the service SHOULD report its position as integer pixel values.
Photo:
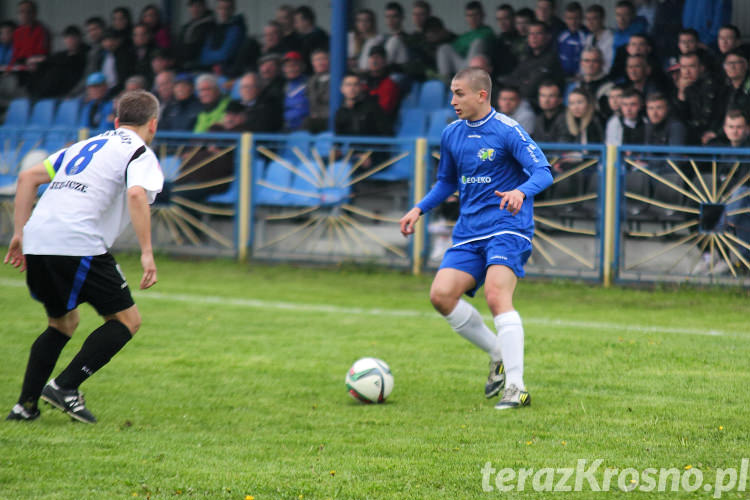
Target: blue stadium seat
(42, 113)
(399, 171)
(304, 195)
(432, 95)
(323, 143)
(67, 113)
(18, 113)
(170, 165)
(438, 120)
(302, 139)
(278, 175)
(413, 122)
(228, 197)
(235, 93)
(411, 100)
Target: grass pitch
(234, 388)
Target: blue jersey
(477, 158)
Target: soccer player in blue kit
(497, 170)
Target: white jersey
(84, 208)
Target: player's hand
(149, 270)
(512, 200)
(15, 256)
(407, 221)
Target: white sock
(510, 339)
(467, 321)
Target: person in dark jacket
(662, 129)
(193, 34)
(260, 113)
(181, 112)
(546, 125)
(697, 98)
(60, 72)
(359, 113)
(225, 40)
(309, 36)
(118, 62)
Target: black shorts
(62, 282)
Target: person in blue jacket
(225, 40)
(497, 170)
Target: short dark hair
(657, 96)
(475, 5)
(306, 13)
(72, 30)
(734, 29)
(137, 107)
(509, 88)
(735, 113)
(689, 31)
(632, 92)
(539, 23)
(548, 82)
(424, 5)
(598, 9)
(395, 6)
(626, 3)
(8, 24)
(507, 8)
(31, 4)
(96, 20)
(527, 13)
(125, 11)
(574, 7)
(737, 51)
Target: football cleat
(70, 401)
(496, 379)
(20, 413)
(513, 397)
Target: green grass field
(234, 388)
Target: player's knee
(498, 300)
(134, 323)
(442, 300)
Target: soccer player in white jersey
(497, 170)
(63, 245)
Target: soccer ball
(369, 380)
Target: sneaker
(20, 413)
(70, 401)
(513, 397)
(496, 379)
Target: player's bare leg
(498, 288)
(447, 288)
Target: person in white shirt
(600, 36)
(63, 245)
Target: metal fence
(613, 214)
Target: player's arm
(28, 183)
(140, 217)
(443, 188)
(533, 161)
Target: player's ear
(152, 125)
(117, 122)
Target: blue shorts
(475, 257)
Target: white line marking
(409, 313)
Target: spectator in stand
(599, 36)
(662, 129)
(735, 93)
(611, 115)
(571, 40)
(272, 83)
(509, 44)
(478, 40)
(96, 106)
(592, 77)
(380, 86)
(151, 17)
(423, 64)
(541, 63)
(581, 125)
(246, 58)
(181, 112)
(545, 12)
(510, 103)
(296, 103)
(639, 76)
(273, 40)
(144, 50)
(481, 61)
(95, 27)
(260, 114)
(420, 12)
(318, 93)
(707, 16)
(164, 87)
(551, 112)
(162, 60)
(310, 36)
(630, 128)
(667, 23)
(697, 98)
(121, 21)
(362, 38)
(118, 62)
(627, 24)
(524, 18)
(135, 82)
(397, 53)
(212, 101)
(688, 43)
(225, 40)
(194, 33)
(285, 17)
(729, 39)
(31, 42)
(359, 113)
(60, 72)
(646, 9)
(6, 42)
(638, 45)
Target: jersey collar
(481, 122)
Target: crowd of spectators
(651, 72)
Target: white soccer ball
(369, 380)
